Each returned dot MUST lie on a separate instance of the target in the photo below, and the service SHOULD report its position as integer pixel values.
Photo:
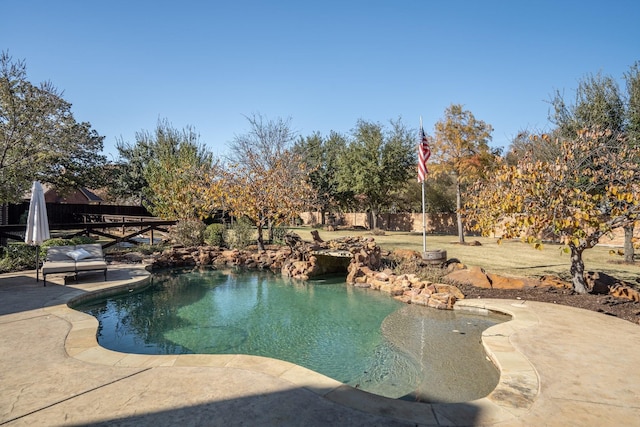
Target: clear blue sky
(325, 64)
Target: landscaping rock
(302, 260)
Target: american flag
(424, 152)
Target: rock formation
(359, 258)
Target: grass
(510, 258)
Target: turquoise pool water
(357, 336)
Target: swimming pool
(357, 336)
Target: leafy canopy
(173, 174)
(265, 180)
(40, 139)
(376, 162)
(461, 149)
(321, 156)
(592, 188)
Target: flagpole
(433, 256)
(424, 217)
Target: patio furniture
(74, 259)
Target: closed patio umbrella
(37, 222)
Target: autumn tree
(460, 148)
(590, 189)
(377, 161)
(265, 180)
(632, 78)
(525, 143)
(599, 105)
(40, 139)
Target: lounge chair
(74, 259)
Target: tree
(440, 195)
(265, 180)
(525, 143)
(592, 188)
(598, 105)
(376, 162)
(321, 157)
(632, 78)
(40, 139)
(461, 148)
(173, 174)
(128, 182)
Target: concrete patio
(559, 366)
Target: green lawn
(510, 258)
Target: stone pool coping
(538, 353)
(517, 388)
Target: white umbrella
(37, 222)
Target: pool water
(357, 336)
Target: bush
(214, 234)
(278, 235)
(82, 240)
(432, 273)
(188, 233)
(241, 234)
(18, 256)
(57, 242)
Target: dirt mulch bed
(605, 304)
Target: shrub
(58, 241)
(278, 235)
(188, 232)
(82, 240)
(432, 273)
(241, 234)
(18, 256)
(214, 234)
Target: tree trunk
(260, 240)
(458, 211)
(374, 219)
(322, 219)
(629, 251)
(270, 230)
(577, 270)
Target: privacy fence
(436, 223)
(65, 213)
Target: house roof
(80, 195)
(90, 195)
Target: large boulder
(478, 277)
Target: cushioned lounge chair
(74, 259)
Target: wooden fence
(436, 223)
(59, 213)
(123, 231)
